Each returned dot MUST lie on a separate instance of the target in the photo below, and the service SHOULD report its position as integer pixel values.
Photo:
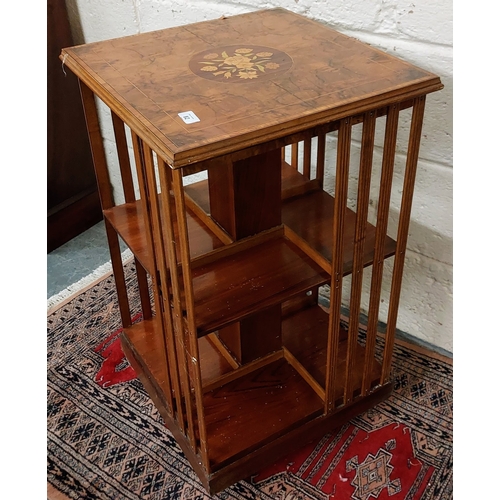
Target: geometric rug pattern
(106, 440)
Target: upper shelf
(128, 221)
(310, 216)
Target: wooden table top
(246, 79)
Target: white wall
(419, 31)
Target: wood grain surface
(148, 79)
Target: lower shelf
(145, 339)
(305, 335)
(254, 419)
(242, 414)
(248, 412)
(251, 411)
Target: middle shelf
(265, 274)
(232, 280)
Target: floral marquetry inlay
(238, 63)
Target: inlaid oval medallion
(240, 63)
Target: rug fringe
(60, 299)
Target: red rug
(106, 439)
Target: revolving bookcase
(224, 133)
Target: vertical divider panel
(143, 158)
(106, 197)
(129, 194)
(193, 351)
(363, 198)
(391, 129)
(403, 226)
(339, 209)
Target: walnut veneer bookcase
(235, 350)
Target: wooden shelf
(232, 410)
(305, 335)
(128, 221)
(255, 409)
(236, 285)
(310, 217)
(309, 214)
(145, 339)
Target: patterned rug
(106, 440)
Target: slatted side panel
(308, 155)
(402, 236)
(384, 199)
(189, 331)
(358, 368)
(129, 195)
(106, 197)
(341, 188)
(152, 226)
(363, 199)
(344, 364)
(172, 301)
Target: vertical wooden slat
(145, 188)
(118, 274)
(320, 158)
(161, 288)
(140, 161)
(365, 170)
(380, 234)
(97, 147)
(307, 158)
(402, 237)
(129, 194)
(177, 343)
(142, 282)
(339, 209)
(123, 158)
(106, 196)
(195, 368)
(295, 155)
(169, 239)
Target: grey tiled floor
(77, 258)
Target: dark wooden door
(72, 197)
